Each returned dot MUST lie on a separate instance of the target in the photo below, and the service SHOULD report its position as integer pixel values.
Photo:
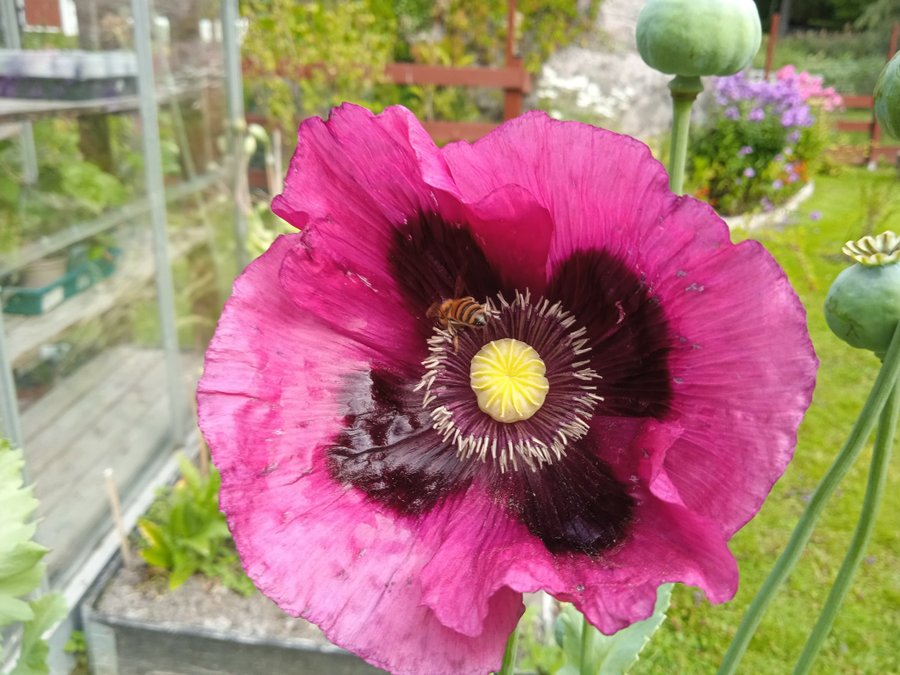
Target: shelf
(76, 232)
(135, 268)
(30, 109)
(113, 412)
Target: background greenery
(349, 42)
(848, 61)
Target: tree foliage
(830, 14)
(309, 56)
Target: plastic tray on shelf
(72, 75)
(80, 276)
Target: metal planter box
(119, 645)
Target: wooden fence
(511, 77)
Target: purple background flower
(783, 98)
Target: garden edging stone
(777, 216)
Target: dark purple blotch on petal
(433, 260)
(388, 449)
(574, 505)
(627, 331)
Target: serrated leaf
(611, 654)
(618, 653)
(48, 610)
(23, 582)
(14, 610)
(21, 568)
(21, 558)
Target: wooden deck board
(113, 412)
(65, 529)
(82, 439)
(78, 402)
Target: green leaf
(48, 610)
(22, 582)
(178, 522)
(156, 557)
(189, 473)
(612, 654)
(619, 652)
(198, 543)
(21, 558)
(153, 534)
(13, 610)
(181, 574)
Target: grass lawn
(864, 639)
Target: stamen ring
(560, 417)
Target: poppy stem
(881, 458)
(881, 390)
(587, 647)
(509, 655)
(684, 90)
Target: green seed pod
(887, 97)
(698, 37)
(863, 304)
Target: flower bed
(763, 142)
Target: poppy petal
(741, 338)
(266, 364)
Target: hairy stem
(684, 90)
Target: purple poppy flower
(749, 172)
(745, 150)
(815, 215)
(374, 481)
(756, 115)
(777, 184)
(732, 113)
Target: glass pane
(91, 382)
(83, 320)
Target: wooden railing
(511, 77)
(875, 149)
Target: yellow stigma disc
(507, 376)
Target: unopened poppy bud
(698, 37)
(863, 304)
(887, 97)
